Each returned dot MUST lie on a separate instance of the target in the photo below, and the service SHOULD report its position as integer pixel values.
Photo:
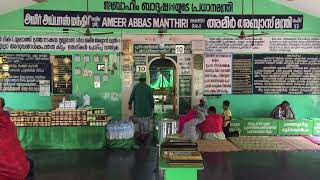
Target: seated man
(211, 127)
(190, 130)
(283, 111)
(192, 114)
(13, 161)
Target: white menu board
(218, 74)
(185, 64)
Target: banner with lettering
(60, 43)
(263, 44)
(49, 18)
(303, 127)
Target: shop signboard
(295, 127)
(53, 18)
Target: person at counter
(2, 104)
(283, 111)
(142, 98)
(201, 107)
(14, 164)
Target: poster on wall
(185, 64)
(44, 88)
(51, 18)
(218, 74)
(286, 74)
(62, 74)
(25, 72)
(59, 43)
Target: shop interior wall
(242, 105)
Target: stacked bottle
(120, 129)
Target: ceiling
(10, 5)
(308, 6)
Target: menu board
(218, 74)
(286, 74)
(25, 72)
(242, 74)
(62, 74)
(184, 105)
(185, 84)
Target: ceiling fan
(242, 34)
(87, 32)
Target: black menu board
(242, 74)
(198, 62)
(25, 72)
(185, 84)
(62, 74)
(286, 74)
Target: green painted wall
(242, 105)
(262, 105)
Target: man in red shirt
(211, 127)
(13, 161)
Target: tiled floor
(140, 164)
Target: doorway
(163, 82)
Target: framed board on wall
(62, 74)
(185, 104)
(25, 72)
(217, 74)
(242, 74)
(286, 74)
(185, 85)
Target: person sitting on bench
(211, 127)
(283, 111)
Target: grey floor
(140, 165)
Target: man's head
(2, 103)
(202, 101)
(143, 77)
(285, 104)
(226, 105)
(211, 110)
